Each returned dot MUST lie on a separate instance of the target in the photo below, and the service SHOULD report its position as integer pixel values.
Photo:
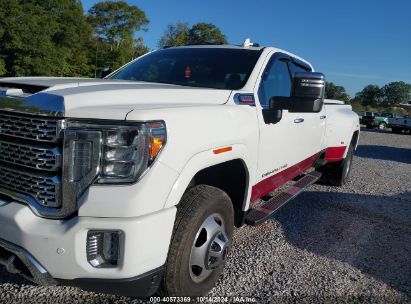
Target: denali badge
(275, 170)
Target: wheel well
(354, 139)
(232, 178)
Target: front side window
(276, 82)
(297, 68)
(388, 115)
(217, 68)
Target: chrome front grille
(45, 190)
(33, 128)
(31, 160)
(42, 158)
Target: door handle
(299, 120)
(323, 117)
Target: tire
(382, 126)
(202, 235)
(338, 173)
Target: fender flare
(353, 130)
(204, 160)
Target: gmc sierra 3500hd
(134, 183)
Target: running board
(263, 212)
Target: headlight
(124, 154)
(126, 149)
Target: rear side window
(276, 82)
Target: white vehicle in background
(400, 123)
(135, 182)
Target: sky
(353, 42)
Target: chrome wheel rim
(210, 248)
(381, 126)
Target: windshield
(217, 68)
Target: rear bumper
(368, 122)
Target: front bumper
(19, 261)
(60, 246)
(142, 286)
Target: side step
(263, 212)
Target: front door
(290, 146)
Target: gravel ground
(348, 244)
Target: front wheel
(201, 241)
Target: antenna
(248, 43)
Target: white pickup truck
(134, 183)
(399, 123)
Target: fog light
(103, 248)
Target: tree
(2, 30)
(181, 34)
(114, 25)
(371, 95)
(2, 67)
(206, 33)
(116, 21)
(46, 37)
(333, 91)
(175, 35)
(396, 93)
(139, 48)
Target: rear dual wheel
(382, 126)
(337, 173)
(200, 243)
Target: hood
(99, 98)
